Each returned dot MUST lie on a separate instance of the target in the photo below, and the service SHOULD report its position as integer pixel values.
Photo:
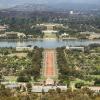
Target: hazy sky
(9, 3)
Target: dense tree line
(75, 23)
(66, 69)
(76, 64)
(23, 25)
(26, 67)
(34, 70)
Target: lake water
(46, 43)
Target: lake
(46, 43)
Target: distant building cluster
(64, 35)
(13, 35)
(94, 36)
(91, 35)
(3, 27)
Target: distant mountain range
(30, 7)
(53, 7)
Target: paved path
(50, 70)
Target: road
(50, 69)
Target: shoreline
(46, 39)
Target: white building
(24, 48)
(64, 35)
(95, 89)
(35, 89)
(2, 35)
(50, 26)
(71, 12)
(75, 48)
(94, 36)
(3, 27)
(49, 31)
(14, 35)
(49, 81)
(39, 89)
(91, 35)
(87, 32)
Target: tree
(58, 90)
(97, 82)
(23, 79)
(29, 87)
(43, 92)
(79, 85)
(51, 92)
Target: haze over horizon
(11, 3)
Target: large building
(14, 35)
(86, 33)
(75, 48)
(50, 26)
(24, 48)
(3, 27)
(94, 36)
(50, 30)
(95, 89)
(36, 89)
(91, 35)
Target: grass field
(11, 78)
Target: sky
(10, 3)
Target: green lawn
(11, 78)
(79, 80)
(95, 76)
